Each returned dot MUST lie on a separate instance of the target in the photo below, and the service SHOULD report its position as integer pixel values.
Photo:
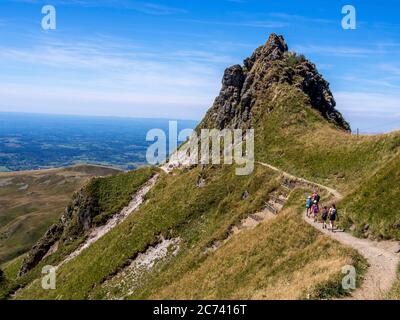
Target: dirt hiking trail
(381, 255)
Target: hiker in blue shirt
(309, 203)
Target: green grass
(295, 138)
(178, 208)
(111, 194)
(365, 169)
(118, 191)
(10, 270)
(375, 203)
(26, 214)
(282, 258)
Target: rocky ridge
(270, 64)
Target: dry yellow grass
(282, 258)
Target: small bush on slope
(10, 270)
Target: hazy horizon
(96, 116)
(31, 141)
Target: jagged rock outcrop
(76, 219)
(271, 63)
(40, 249)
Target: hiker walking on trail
(315, 210)
(308, 206)
(324, 217)
(333, 216)
(316, 197)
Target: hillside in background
(41, 141)
(31, 201)
(203, 232)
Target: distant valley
(34, 141)
(31, 201)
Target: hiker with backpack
(315, 210)
(324, 217)
(308, 206)
(333, 216)
(316, 197)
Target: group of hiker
(313, 211)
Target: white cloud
(337, 50)
(374, 104)
(109, 77)
(370, 112)
(392, 69)
(264, 24)
(301, 19)
(56, 100)
(140, 6)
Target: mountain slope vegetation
(297, 128)
(30, 201)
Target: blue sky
(166, 58)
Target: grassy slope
(119, 189)
(32, 201)
(280, 259)
(293, 138)
(365, 169)
(283, 258)
(178, 207)
(376, 203)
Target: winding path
(381, 256)
(99, 232)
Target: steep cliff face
(92, 206)
(76, 219)
(245, 86)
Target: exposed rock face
(83, 207)
(268, 65)
(76, 219)
(40, 249)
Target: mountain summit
(245, 86)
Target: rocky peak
(269, 64)
(273, 49)
(233, 77)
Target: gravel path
(381, 255)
